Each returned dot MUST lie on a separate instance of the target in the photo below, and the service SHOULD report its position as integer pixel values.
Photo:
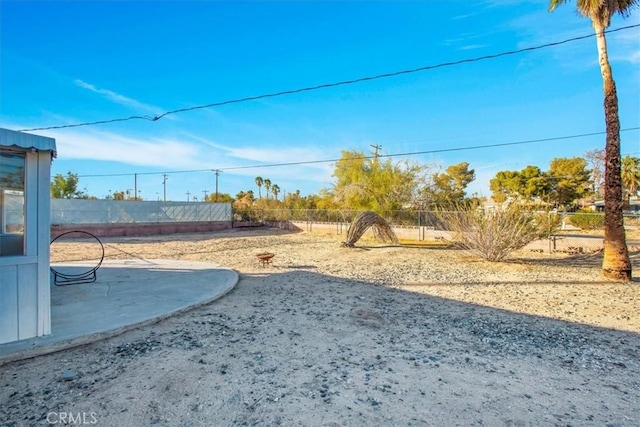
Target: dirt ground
(334, 336)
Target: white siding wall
(25, 293)
(43, 237)
(18, 302)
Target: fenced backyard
(572, 233)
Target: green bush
(587, 220)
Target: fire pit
(265, 258)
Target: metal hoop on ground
(89, 276)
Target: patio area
(125, 295)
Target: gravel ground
(374, 335)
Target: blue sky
(83, 61)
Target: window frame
(11, 240)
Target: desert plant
(549, 222)
(495, 234)
(365, 220)
(587, 220)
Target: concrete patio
(126, 294)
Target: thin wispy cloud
(263, 155)
(533, 29)
(233, 156)
(119, 98)
(625, 45)
(542, 27)
(164, 153)
(462, 38)
(472, 47)
(471, 40)
(260, 155)
(183, 152)
(463, 16)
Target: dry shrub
(365, 220)
(495, 234)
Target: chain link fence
(571, 233)
(82, 211)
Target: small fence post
(549, 230)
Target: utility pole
(135, 186)
(217, 172)
(376, 148)
(375, 157)
(205, 195)
(165, 177)
(188, 194)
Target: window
(12, 204)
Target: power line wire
(413, 153)
(334, 84)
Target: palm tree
(275, 190)
(267, 186)
(259, 182)
(630, 174)
(616, 263)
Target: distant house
(633, 206)
(25, 169)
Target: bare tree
(595, 159)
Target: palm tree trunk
(616, 263)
